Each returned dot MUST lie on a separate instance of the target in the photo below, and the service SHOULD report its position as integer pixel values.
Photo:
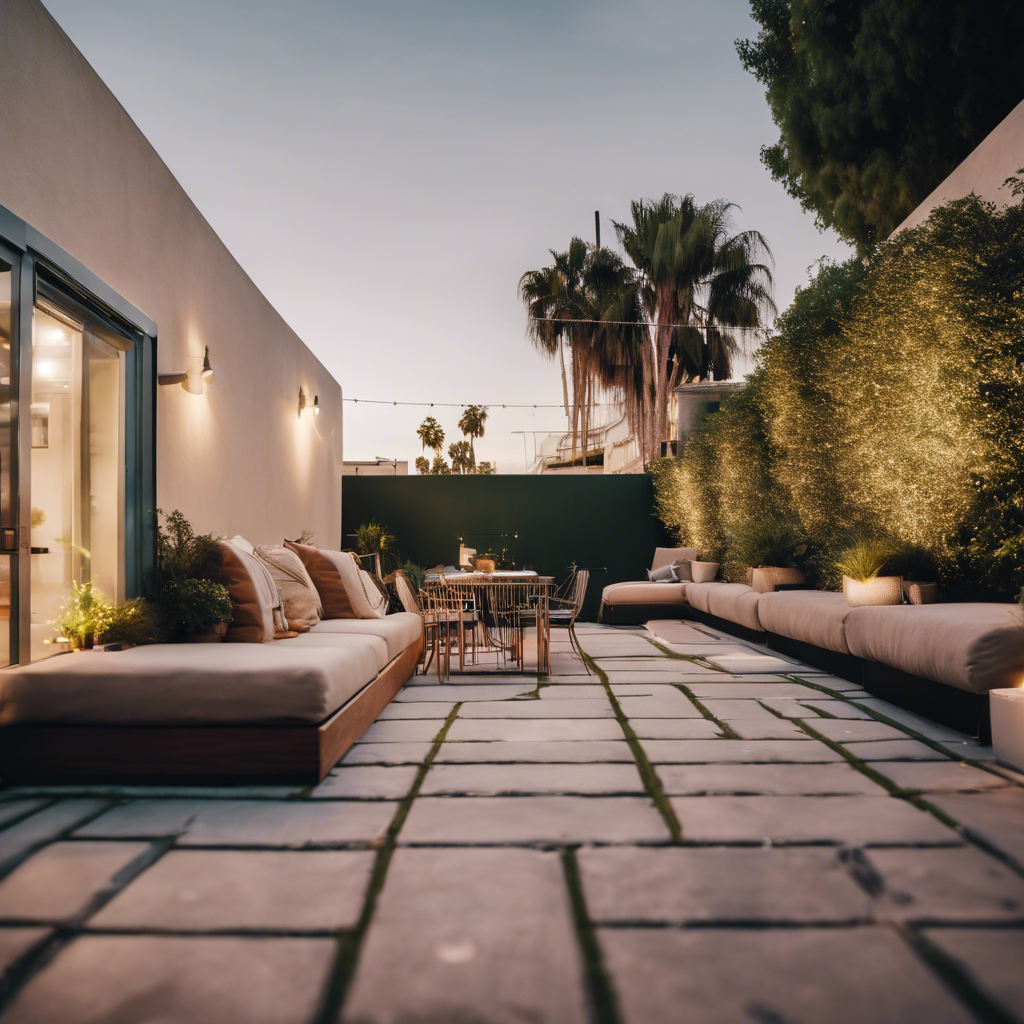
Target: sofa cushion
(813, 616)
(399, 631)
(976, 647)
(737, 603)
(367, 601)
(666, 556)
(645, 593)
(189, 684)
(326, 641)
(327, 579)
(697, 594)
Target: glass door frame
(34, 258)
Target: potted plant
(88, 619)
(771, 550)
(191, 603)
(706, 571)
(862, 566)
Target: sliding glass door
(77, 464)
(8, 545)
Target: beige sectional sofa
(273, 704)
(939, 660)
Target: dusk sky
(386, 171)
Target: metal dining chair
(564, 607)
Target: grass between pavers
(675, 655)
(599, 988)
(647, 773)
(728, 733)
(349, 944)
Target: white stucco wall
(998, 156)
(237, 459)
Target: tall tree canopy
(877, 101)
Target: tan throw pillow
(299, 599)
(327, 579)
(364, 596)
(255, 602)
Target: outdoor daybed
(270, 707)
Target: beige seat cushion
(644, 593)
(737, 603)
(976, 647)
(398, 631)
(190, 684)
(813, 616)
(697, 594)
(327, 641)
(666, 556)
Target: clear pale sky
(385, 171)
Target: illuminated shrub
(889, 403)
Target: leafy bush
(889, 403)
(416, 574)
(774, 542)
(190, 606)
(88, 618)
(184, 585)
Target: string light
(461, 405)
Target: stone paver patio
(699, 831)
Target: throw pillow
(684, 573)
(255, 602)
(299, 599)
(666, 574)
(327, 579)
(361, 592)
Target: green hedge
(889, 402)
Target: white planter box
(1007, 710)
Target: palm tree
(431, 434)
(694, 281)
(460, 454)
(585, 301)
(422, 465)
(472, 425)
(440, 467)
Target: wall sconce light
(193, 379)
(304, 403)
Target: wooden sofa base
(146, 752)
(637, 614)
(754, 636)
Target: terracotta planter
(920, 593)
(767, 577)
(214, 635)
(879, 591)
(703, 572)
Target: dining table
(499, 597)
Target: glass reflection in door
(77, 468)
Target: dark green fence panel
(602, 523)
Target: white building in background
(378, 467)
(611, 448)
